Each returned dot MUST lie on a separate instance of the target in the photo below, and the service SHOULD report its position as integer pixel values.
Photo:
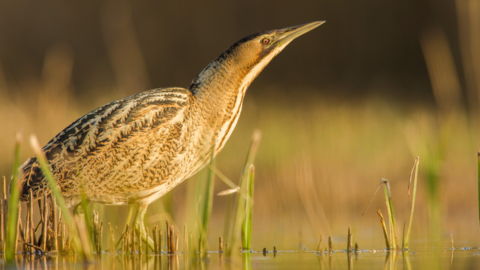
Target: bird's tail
(31, 178)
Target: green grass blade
(13, 203)
(45, 167)
(86, 213)
(207, 206)
(240, 209)
(247, 224)
(390, 223)
(391, 214)
(227, 221)
(415, 166)
(239, 217)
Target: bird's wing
(112, 148)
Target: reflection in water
(246, 260)
(350, 260)
(367, 259)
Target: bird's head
(246, 58)
(257, 50)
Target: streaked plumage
(135, 149)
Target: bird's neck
(223, 77)
(219, 91)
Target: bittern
(136, 149)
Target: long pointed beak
(290, 33)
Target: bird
(134, 150)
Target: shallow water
(465, 258)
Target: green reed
(207, 206)
(247, 223)
(12, 227)
(239, 216)
(81, 240)
(391, 214)
(415, 175)
(392, 241)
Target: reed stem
(415, 166)
(247, 224)
(385, 234)
(45, 223)
(13, 210)
(45, 167)
(319, 248)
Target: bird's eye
(265, 41)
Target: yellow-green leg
(131, 213)
(140, 226)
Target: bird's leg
(132, 209)
(140, 226)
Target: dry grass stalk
(185, 240)
(220, 244)
(146, 244)
(68, 242)
(63, 238)
(451, 241)
(5, 211)
(356, 247)
(100, 238)
(167, 231)
(2, 227)
(275, 251)
(45, 222)
(132, 239)
(349, 240)
(387, 242)
(172, 239)
(319, 248)
(18, 226)
(20, 230)
(94, 230)
(139, 237)
(2, 215)
(125, 239)
(60, 237)
(330, 249)
(4, 188)
(160, 241)
(26, 231)
(177, 242)
(112, 239)
(83, 238)
(122, 241)
(31, 224)
(55, 223)
(155, 243)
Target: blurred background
(344, 106)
